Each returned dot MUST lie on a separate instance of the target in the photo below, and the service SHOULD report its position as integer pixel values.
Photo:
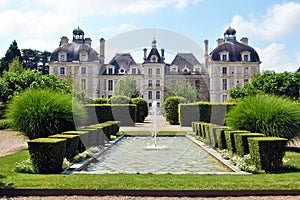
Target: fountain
(154, 110)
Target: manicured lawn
(283, 181)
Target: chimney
(145, 54)
(205, 53)
(63, 40)
(163, 54)
(244, 40)
(220, 41)
(88, 41)
(102, 49)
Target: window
(246, 57)
(197, 83)
(110, 70)
(83, 70)
(197, 70)
(149, 71)
(224, 83)
(224, 97)
(174, 69)
(110, 85)
(246, 71)
(83, 57)
(62, 71)
(149, 94)
(149, 83)
(224, 57)
(157, 71)
(157, 94)
(62, 57)
(157, 83)
(83, 84)
(133, 71)
(224, 70)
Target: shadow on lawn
(5, 185)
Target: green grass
(283, 181)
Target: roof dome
(73, 51)
(230, 31)
(78, 31)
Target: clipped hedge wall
(241, 142)
(229, 137)
(47, 154)
(100, 113)
(141, 109)
(170, 109)
(72, 142)
(203, 111)
(267, 152)
(83, 136)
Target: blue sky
(273, 27)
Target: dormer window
(122, 70)
(245, 56)
(83, 56)
(224, 56)
(133, 71)
(110, 70)
(62, 57)
(185, 70)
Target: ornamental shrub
(141, 109)
(170, 108)
(40, 113)
(267, 114)
(100, 101)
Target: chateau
(230, 64)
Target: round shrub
(41, 113)
(141, 109)
(119, 99)
(267, 114)
(170, 108)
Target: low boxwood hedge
(229, 137)
(84, 139)
(241, 142)
(47, 154)
(267, 152)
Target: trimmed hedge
(229, 137)
(219, 134)
(141, 109)
(170, 108)
(267, 152)
(241, 142)
(47, 154)
(203, 111)
(100, 101)
(100, 113)
(84, 139)
(72, 142)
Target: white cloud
(125, 27)
(280, 21)
(275, 58)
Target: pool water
(179, 155)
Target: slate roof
(73, 50)
(154, 51)
(120, 59)
(235, 49)
(185, 59)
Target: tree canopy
(280, 84)
(12, 52)
(127, 87)
(184, 89)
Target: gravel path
(11, 142)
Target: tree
(15, 65)
(127, 87)
(35, 59)
(280, 84)
(184, 89)
(12, 52)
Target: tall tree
(43, 65)
(127, 87)
(184, 89)
(15, 65)
(12, 52)
(31, 58)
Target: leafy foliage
(35, 59)
(41, 113)
(119, 99)
(170, 108)
(12, 52)
(267, 114)
(12, 83)
(141, 109)
(127, 87)
(280, 84)
(15, 65)
(184, 89)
